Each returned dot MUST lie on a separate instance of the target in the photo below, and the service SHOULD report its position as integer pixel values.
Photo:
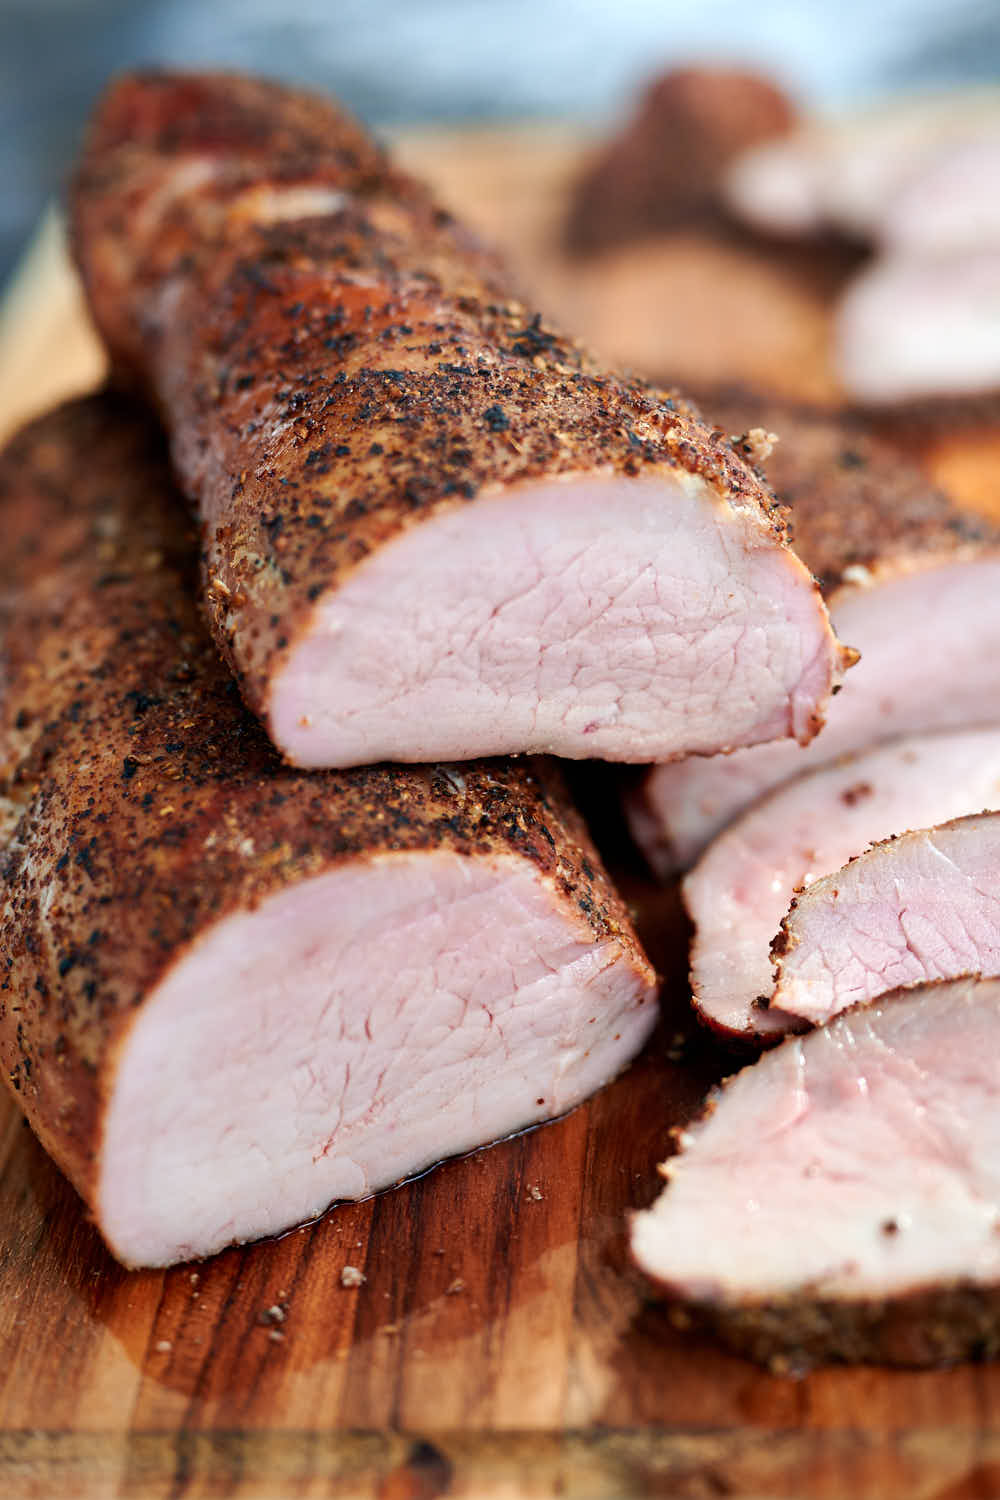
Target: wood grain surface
(500, 1345)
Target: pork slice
(910, 580)
(434, 526)
(849, 175)
(234, 992)
(919, 182)
(950, 206)
(917, 908)
(840, 1198)
(915, 327)
(741, 888)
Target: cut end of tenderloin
(350, 1032)
(585, 615)
(447, 531)
(740, 891)
(840, 1198)
(256, 991)
(918, 908)
(929, 638)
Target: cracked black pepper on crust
(936, 1326)
(328, 381)
(145, 802)
(854, 500)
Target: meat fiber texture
(840, 1198)
(432, 526)
(920, 907)
(910, 579)
(233, 992)
(740, 891)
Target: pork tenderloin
(232, 992)
(840, 1198)
(433, 526)
(916, 908)
(909, 578)
(740, 890)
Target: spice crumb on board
(163, 1346)
(534, 1192)
(351, 1276)
(458, 1285)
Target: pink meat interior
(350, 1031)
(590, 615)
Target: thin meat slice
(951, 206)
(840, 1198)
(913, 328)
(433, 526)
(909, 578)
(233, 992)
(740, 890)
(918, 181)
(850, 175)
(920, 907)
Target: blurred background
(401, 62)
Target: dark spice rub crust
(854, 499)
(940, 1326)
(151, 803)
(330, 381)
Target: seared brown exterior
(154, 803)
(329, 381)
(855, 499)
(136, 221)
(940, 1326)
(921, 422)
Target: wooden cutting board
(500, 1344)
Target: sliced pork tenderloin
(920, 907)
(840, 1198)
(951, 206)
(914, 328)
(917, 181)
(433, 526)
(740, 890)
(233, 992)
(909, 578)
(851, 175)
